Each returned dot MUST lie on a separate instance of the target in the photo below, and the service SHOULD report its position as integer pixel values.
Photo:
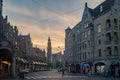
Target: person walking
(21, 73)
(63, 70)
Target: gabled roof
(106, 5)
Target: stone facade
(94, 43)
(17, 50)
(57, 60)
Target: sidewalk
(93, 77)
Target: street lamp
(14, 61)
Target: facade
(8, 46)
(49, 51)
(57, 60)
(94, 43)
(38, 59)
(17, 50)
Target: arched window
(115, 36)
(108, 24)
(109, 51)
(116, 50)
(115, 23)
(73, 37)
(108, 38)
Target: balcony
(115, 41)
(115, 27)
(112, 28)
(108, 28)
(111, 56)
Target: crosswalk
(52, 77)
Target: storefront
(7, 63)
(5, 68)
(86, 67)
(99, 68)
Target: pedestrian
(63, 70)
(89, 73)
(21, 73)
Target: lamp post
(14, 61)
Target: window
(85, 45)
(99, 52)
(101, 8)
(99, 41)
(99, 28)
(85, 25)
(89, 43)
(85, 55)
(85, 34)
(89, 32)
(108, 23)
(89, 54)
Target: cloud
(47, 21)
(19, 10)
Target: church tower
(49, 51)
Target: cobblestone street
(54, 75)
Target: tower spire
(49, 51)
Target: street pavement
(54, 75)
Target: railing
(112, 28)
(112, 41)
(108, 28)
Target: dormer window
(101, 8)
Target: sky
(44, 18)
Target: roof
(106, 6)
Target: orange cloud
(40, 27)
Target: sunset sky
(43, 18)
